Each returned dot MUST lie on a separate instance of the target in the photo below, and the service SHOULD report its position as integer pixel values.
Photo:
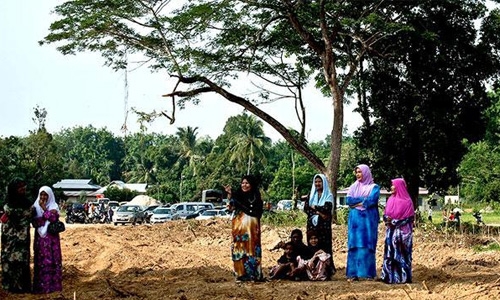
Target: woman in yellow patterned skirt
(246, 250)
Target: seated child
(316, 265)
(296, 239)
(286, 264)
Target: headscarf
(244, 199)
(326, 196)
(14, 199)
(364, 187)
(399, 206)
(51, 204)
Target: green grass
(490, 247)
(467, 217)
(295, 218)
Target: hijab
(244, 200)
(51, 204)
(326, 196)
(399, 205)
(252, 194)
(14, 199)
(364, 187)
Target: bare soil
(191, 260)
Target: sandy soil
(191, 260)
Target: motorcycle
(76, 214)
(479, 218)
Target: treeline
(184, 164)
(167, 163)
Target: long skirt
(361, 263)
(396, 267)
(47, 277)
(246, 250)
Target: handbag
(4, 218)
(56, 227)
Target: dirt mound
(191, 260)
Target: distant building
(73, 189)
(137, 187)
(384, 195)
(451, 200)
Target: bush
(292, 218)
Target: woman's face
(44, 197)
(318, 183)
(21, 190)
(359, 174)
(393, 189)
(245, 185)
(313, 240)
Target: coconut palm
(248, 142)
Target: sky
(80, 91)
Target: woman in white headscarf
(319, 215)
(47, 246)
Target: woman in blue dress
(362, 225)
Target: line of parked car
(125, 213)
(188, 210)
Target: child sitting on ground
(316, 265)
(286, 264)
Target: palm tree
(248, 142)
(188, 150)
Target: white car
(284, 205)
(163, 214)
(213, 213)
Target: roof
(76, 185)
(138, 187)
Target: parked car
(186, 208)
(163, 214)
(129, 213)
(113, 205)
(300, 204)
(149, 212)
(195, 214)
(284, 205)
(212, 213)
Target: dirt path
(190, 260)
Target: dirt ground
(191, 260)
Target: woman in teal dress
(362, 225)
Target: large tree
(207, 44)
(429, 95)
(279, 45)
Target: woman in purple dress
(47, 247)
(398, 216)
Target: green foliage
(480, 169)
(342, 214)
(117, 194)
(416, 114)
(494, 246)
(91, 153)
(295, 218)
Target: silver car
(129, 213)
(163, 214)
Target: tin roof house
(384, 195)
(138, 187)
(75, 188)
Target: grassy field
(489, 218)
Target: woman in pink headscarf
(398, 217)
(362, 225)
